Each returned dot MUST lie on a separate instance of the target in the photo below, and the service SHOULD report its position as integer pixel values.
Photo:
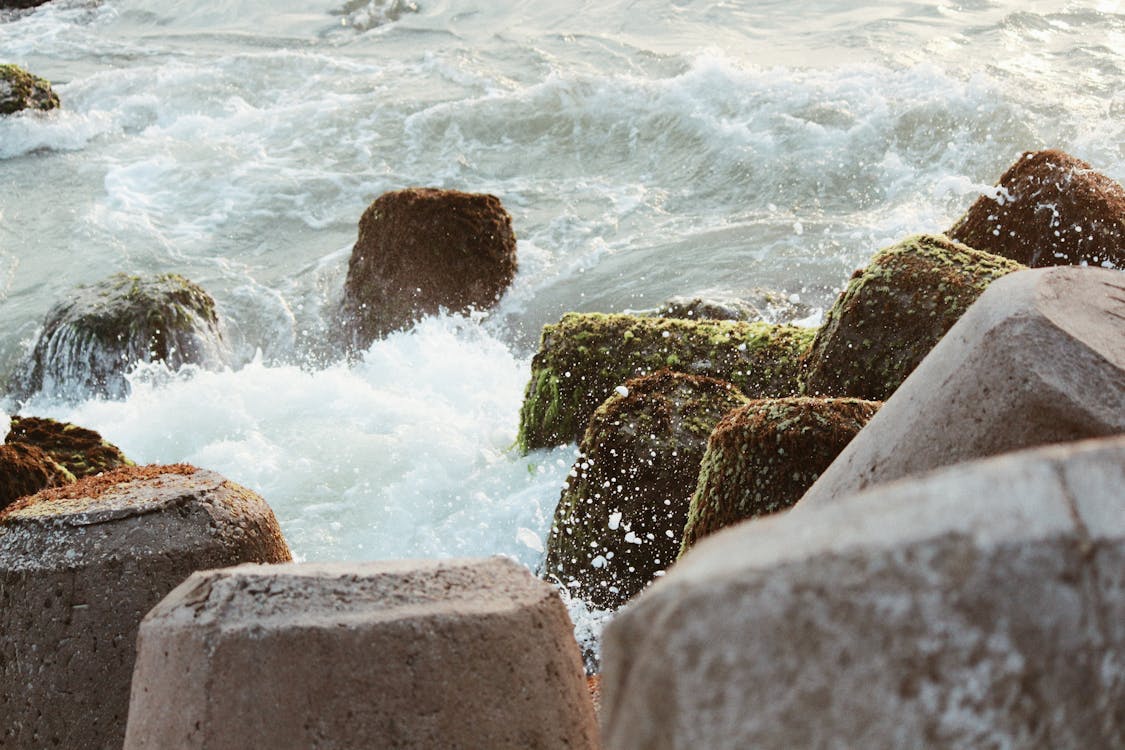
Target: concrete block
(1038, 359)
(409, 654)
(80, 565)
(977, 606)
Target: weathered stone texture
(80, 566)
(1040, 358)
(978, 606)
(408, 654)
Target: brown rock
(83, 452)
(1040, 358)
(762, 457)
(621, 516)
(423, 249)
(25, 469)
(406, 654)
(1055, 211)
(80, 566)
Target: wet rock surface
(421, 250)
(81, 451)
(585, 356)
(892, 314)
(621, 517)
(762, 457)
(21, 90)
(90, 341)
(1052, 210)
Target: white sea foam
(407, 453)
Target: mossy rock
(1053, 210)
(621, 516)
(20, 90)
(584, 356)
(422, 250)
(25, 470)
(90, 341)
(81, 451)
(762, 457)
(894, 312)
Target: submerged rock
(91, 340)
(81, 451)
(762, 457)
(893, 312)
(421, 250)
(21, 4)
(1052, 210)
(621, 516)
(584, 356)
(26, 469)
(20, 90)
(757, 304)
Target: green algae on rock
(20, 90)
(893, 312)
(621, 516)
(81, 451)
(25, 470)
(762, 457)
(584, 356)
(1051, 209)
(92, 339)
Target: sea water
(644, 148)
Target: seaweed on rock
(91, 340)
(20, 90)
(584, 356)
(893, 312)
(621, 516)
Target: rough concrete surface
(408, 654)
(79, 568)
(979, 606)
(1039, 358)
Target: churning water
(645, 148)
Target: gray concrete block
(977, 606)
(80, 566)
(1038, 359)
(409, 654)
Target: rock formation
(1051, 210)
(621, 516)
(585, 356)
(893, 312)
(421, 250)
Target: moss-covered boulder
(20, 90)
(584, 356)
(81, 451)
(421, 250)
(621, 516)
(101, 331)
(1051, 209)
(893, 312)
(25, 470)
(762, 457)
